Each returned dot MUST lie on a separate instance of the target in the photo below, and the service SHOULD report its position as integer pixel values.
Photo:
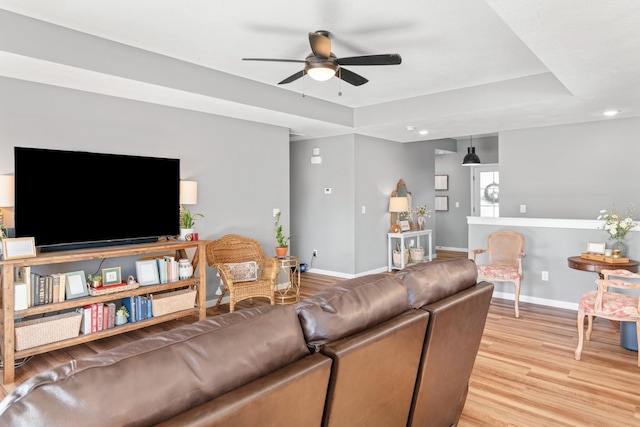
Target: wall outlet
(545, 276)
(315, 253)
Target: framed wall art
(442, 182)
(442, 203)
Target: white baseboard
(449, 248)
(539, 301)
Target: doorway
(485, 191)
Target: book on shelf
(130, 304)
(85, 322)
(99, 316)
(109, 315)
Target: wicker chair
(229, 251)
(505, 260)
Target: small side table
(290, 267)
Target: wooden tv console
(7, 318)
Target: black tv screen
(71, 199)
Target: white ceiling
(468, 66)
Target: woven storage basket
(33, 333)
(417, 254)
(173, 301)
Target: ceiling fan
(321, 64)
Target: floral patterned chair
(609, 305)
(505, 251)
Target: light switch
(364, 209)
(523, 208)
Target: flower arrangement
(615, 224)
(421, 210)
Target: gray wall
(362, 171)
(570, 171)
(451, 230)
(238, 164)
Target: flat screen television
(75, 199)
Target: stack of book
(31, 289)
(139, 307)
(97, 317)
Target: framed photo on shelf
(21, 247)
(111, 276)
(442, 203)
(596, 247)
(147, 272)
(405, 225)
(442, 182)
(76, 285)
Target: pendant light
(471, 159)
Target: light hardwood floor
(524, 375)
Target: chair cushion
(613, 305)
(243, 271)
(498, 272)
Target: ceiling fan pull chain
(303, 86)
(339, 81)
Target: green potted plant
(283, 242)
(121, 315)
(187, 222)
(94, 280)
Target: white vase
(185, 269)
(121, 319)
(185, 233)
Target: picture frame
(596, 247)
(442, 203)
(20, 247)
(111, 276)
(147, 272)
(76, 285)
(442, 182)
(405, 225)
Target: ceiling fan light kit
(321, 64)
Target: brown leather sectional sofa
(378, 350)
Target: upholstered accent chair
(614, 306)
(243, 268)
(505, 252)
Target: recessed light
(423, 132)
(410, 128)
(610, 113)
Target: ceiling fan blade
(273, 60)
(386, 59)
(351, 77)
(293, 77)
(320, 45)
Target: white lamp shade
(321, 74)
(398, 204)
(188, 192)
(6, 191)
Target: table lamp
(188, 195)
(397, 205)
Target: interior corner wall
(323, 221)
(242, 168)
(570, 171)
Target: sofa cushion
(431, 281)
(350, 307)
(158, 377)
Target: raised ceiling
(468, 66)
